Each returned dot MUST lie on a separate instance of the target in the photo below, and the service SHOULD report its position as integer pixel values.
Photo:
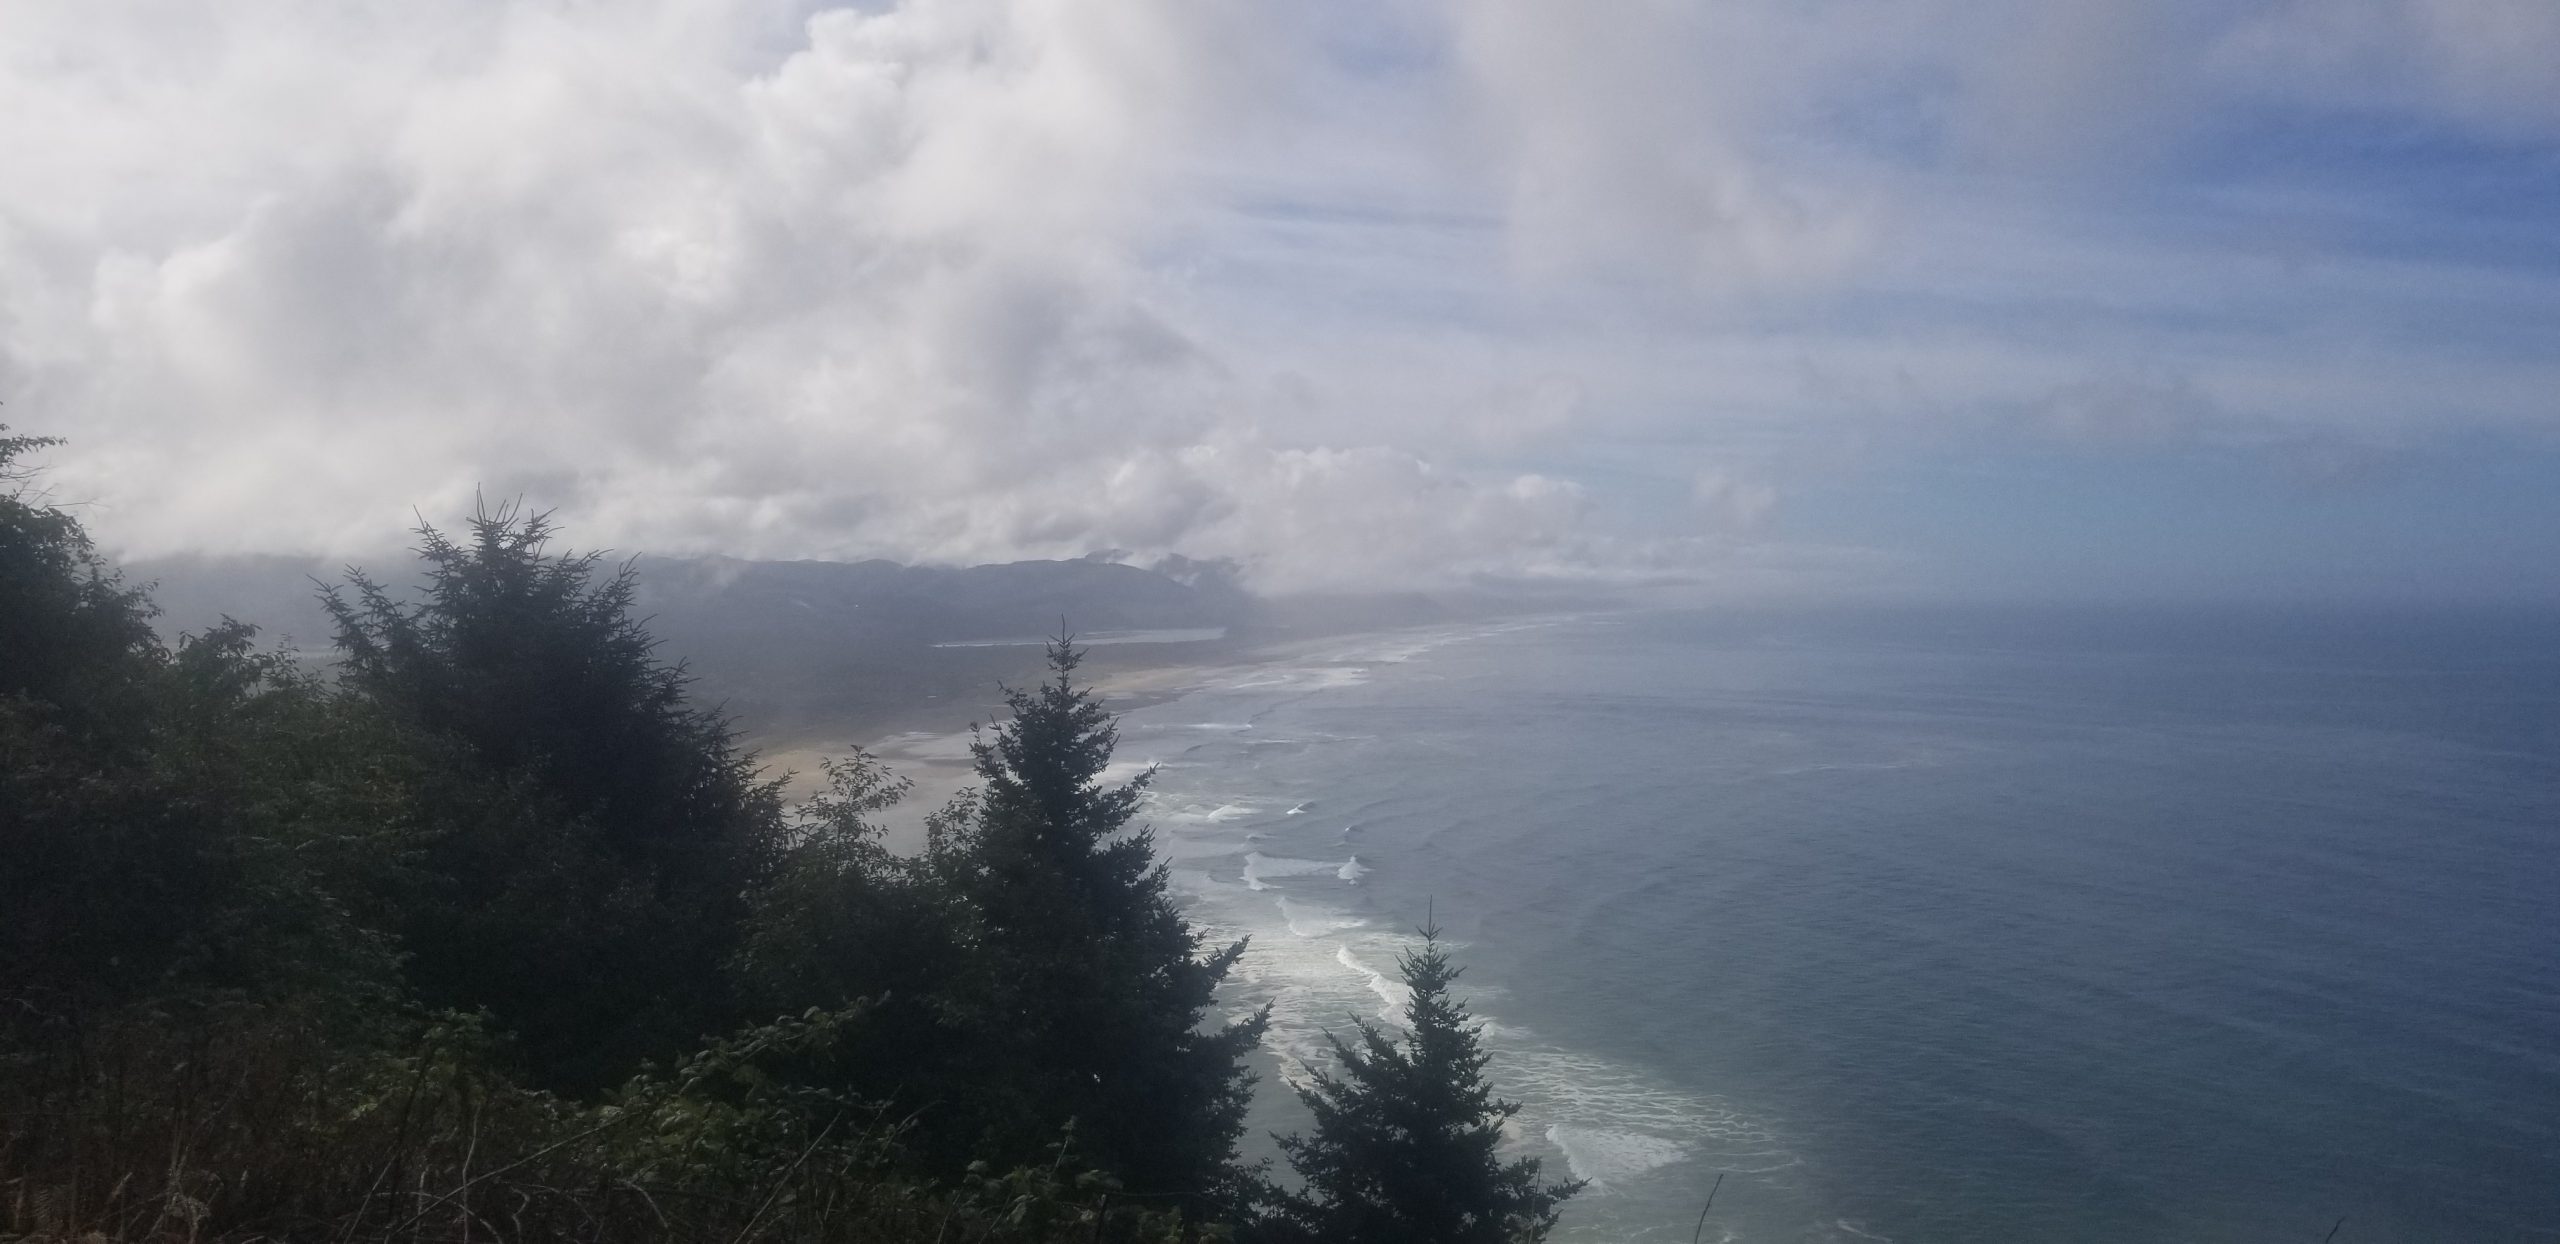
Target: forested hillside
(492, 931)
(794, 646)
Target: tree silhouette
(593, 840)
(1405, 1147)
(1086, 988)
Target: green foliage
(588, 841)
(110, 872)
(160, 831)
(1081, 976)
(843, 917)
(73, 637)
(245, 1121)
(428, 950)
(1405, 1149)
(534, 662)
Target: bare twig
(650, 1201)
(399, 1139)
(469, 1151)
(783, 1181)
(1711, 1204)
(536, 1155)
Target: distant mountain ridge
(875, 600)
(887, 601)
(793, 646)
(784, 643)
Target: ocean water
(1929, 926)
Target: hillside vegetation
(490, 931)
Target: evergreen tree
(74, 638)
(83, 833)
(161, 832)
(846, 921)
(844, 918)
(1406, 1135)
(1085, 989)
(593, 840)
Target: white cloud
(1731, 501)
(1629, 137)
(1349, 292)
(2493, 64)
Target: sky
(2011, 299)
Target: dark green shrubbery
(587, 841)
(482, 937)
(1408, 1132)
(1079, 968)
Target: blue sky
(2074, 298)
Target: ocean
(1928, 925)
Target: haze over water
(1932, 926)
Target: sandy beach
(925, 737)
(919, 723)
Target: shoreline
(924, 738)
(923, 735)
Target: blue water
(1931, 926)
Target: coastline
(918, 720)
(924, 737)
(1325, 900)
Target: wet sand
(924, 737)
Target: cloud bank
(1356, 294)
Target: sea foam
(1602, 1154)
(1395, 994)
(1219, 815)
(1311, 921)
(1258, 866)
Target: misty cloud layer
(1356, 294)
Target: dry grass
(233, 1122)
